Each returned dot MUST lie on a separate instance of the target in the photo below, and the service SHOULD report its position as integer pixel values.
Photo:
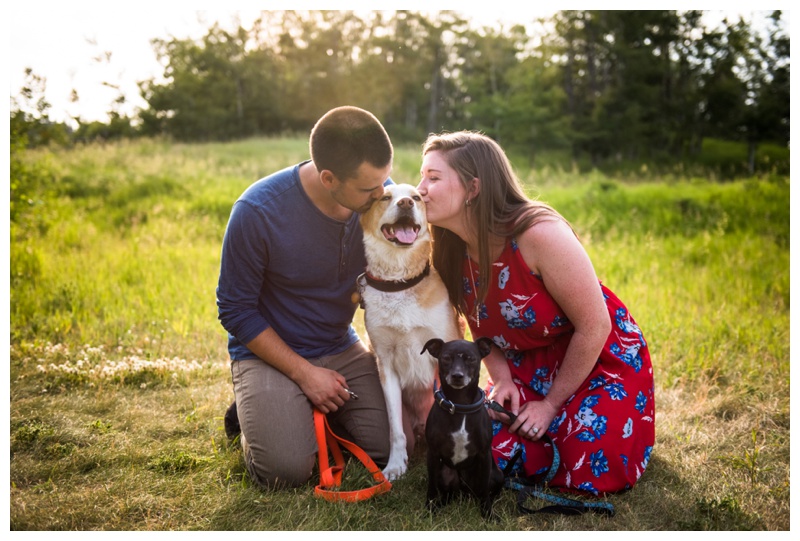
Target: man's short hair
(346, 137)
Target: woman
(570, 361)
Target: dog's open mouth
(404, 231)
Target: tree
(487, 58)
(766, 114)
(609, 85)
(204, 97)
(30, 115)
(534, 109)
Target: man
(290, 258)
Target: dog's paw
(488, 512)
(395, 469)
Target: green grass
(119, 375)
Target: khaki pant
(277, 421)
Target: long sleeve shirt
(286, 265)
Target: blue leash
(527, 488)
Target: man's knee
(381, 457)
(379, 447)
(374, 442)
(271, 472)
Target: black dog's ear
(484, 346)
(433, 346)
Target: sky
(67, 43)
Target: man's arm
(326, 389)
(243, 264)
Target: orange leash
(330, 477)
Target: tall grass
(119, 373)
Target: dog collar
(391, 286)
(452, 408)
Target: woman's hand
(506, 394)
(534, 419)
(504, 391)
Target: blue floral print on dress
(502, 461)
(598, 462)
(512, 315)
(502, 278)
(556, 424)
(594, 424)
(629, 356)
(588, 487)
(616, 391)
(514, 356)
(467, 286)
(541, 382)
(627, 326)
(646, 459)
(641, 402)
(599, 381)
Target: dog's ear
(433, 346)
(484, 346)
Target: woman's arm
(552, 251)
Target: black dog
(458, 430)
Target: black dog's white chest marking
(460, 442)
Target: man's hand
(325, 388)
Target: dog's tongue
(405, 234)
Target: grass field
(119, 375)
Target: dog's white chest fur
(460, 442)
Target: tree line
(598, 86)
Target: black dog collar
(451, 408)
(392, 286)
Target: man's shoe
(232, 426)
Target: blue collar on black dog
(451, 408)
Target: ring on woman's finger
(534, 430)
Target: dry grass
(130, 459)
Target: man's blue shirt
(288, 266)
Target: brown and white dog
(405, 305)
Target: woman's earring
(469, 202)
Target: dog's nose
(406, 203)
(457, 376)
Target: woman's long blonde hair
(501, 207)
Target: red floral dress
(605, 432)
